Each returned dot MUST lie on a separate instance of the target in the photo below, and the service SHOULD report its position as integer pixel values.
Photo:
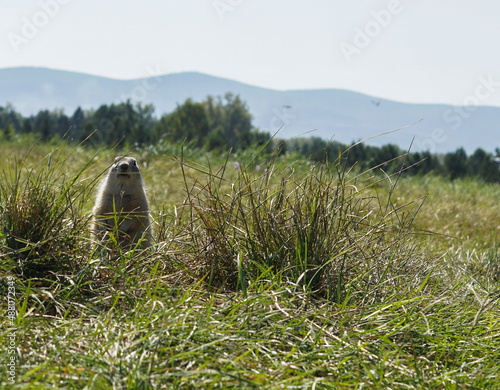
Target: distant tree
(129, 120)
(9, 132)
(26, 127)
(187, 122)
(217, 139)
(316, 149)
(143, 128)
(422, 163)
(145, 114)
(356, 154)
(261, 138)
(455, 164)
(77, 122)
(115, 130)
(42, 125)
(8, 116)
(88, 135)
(61, 123)
(231, 114)
(476, 162)
(386, 157)
(119, 123)
(481, 164)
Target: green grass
(278, 274)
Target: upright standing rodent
(122, 205)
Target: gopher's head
(126, 168)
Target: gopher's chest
(124, 202)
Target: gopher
(122, 205)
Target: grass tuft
(265, 272)
(41, 215)
(323, 231)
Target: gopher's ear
(118, 158)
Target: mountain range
(340, 115)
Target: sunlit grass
(270, 273)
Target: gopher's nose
(124, 167)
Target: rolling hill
(332, 114)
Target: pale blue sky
(407, 50)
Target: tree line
(223, 123)
(391, 158)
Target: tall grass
(323, 231)
(271, 273)
(41, 213)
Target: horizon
(240, 82)
(377, 48)
(333, 113)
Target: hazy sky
(409, 50)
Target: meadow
(266, 272)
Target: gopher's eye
(134, 163)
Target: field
(266, 272)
